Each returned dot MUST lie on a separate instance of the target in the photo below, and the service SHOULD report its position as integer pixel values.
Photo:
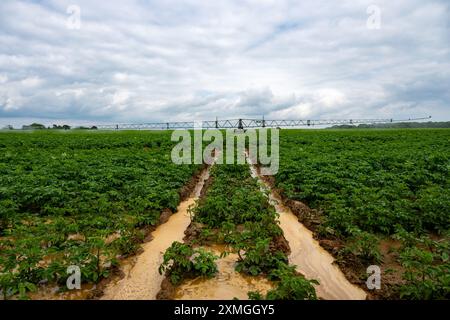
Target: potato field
(93, 200)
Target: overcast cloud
(143, 60)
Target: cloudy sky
(144, 60)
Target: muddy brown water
(53, 293)
(308, 256)
(143, 281)
(227, 284)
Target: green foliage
(255, 295)
(234, 197)
(365, 246)
(177, 261)
(370, 179)
(290, 286)
(259, 258)
(427, 267)
(365, 183)
(7, 210)
(376, 183)
(54, 185)
(128, 242)
(247, 222)
(235, 204)
(204, 263)
(11, 285)
(182, 261)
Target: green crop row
(236, 212)
(369, 185)
(80, 199)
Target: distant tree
(396, 125)
(37, 126)
(94, 128)
(34, 126)
(63, 127)
(8, 127)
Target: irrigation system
(246, 123)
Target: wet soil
(310, 258)
(143, 280)
(354, 269)
(227, 284)
(127, 262)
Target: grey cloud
(169, 60)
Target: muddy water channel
(308, 256)
(143, 281)
(226, 285)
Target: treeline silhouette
(395, 125)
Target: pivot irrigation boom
(245, 123)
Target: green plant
(61, 195)
(373, 184)
(289, 286)
(181, 261)
(128, 242)
(259, 258)
(13, 284)
(365, 246)
(255, 295)
(204, 263)
(426, 271)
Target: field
(370, 197)
(374, 191)
(234, 212)
(80, 199)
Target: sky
(84, 61)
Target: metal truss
(245, 123)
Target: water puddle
(226, 285)
(53, 293)
(143, 281)
(308, 256)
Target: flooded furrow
(54, 293)
(308, 256)
(143, 281)
(226, 285)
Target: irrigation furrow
(143, 280)
(307, 255)
(226, 285)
